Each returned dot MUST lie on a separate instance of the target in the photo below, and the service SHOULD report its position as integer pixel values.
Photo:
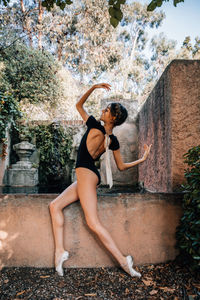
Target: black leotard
(84, 159)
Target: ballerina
(96, 140)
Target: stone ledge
(141, 224)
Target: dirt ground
(161, 281)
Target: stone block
(26, 177)
(170, 121)
(142, 225)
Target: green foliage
(54, 145)
(115, 12)
(189, 50)
(114, 8)
(30, 73)
(188, 232)
(9, 113)
(158, 3)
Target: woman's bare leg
(87, 182)
(68, 196)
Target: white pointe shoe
(128, 267)
(59, 267)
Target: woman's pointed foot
(61, 260)
(128, 267)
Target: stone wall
(170, 121)
(143, 225)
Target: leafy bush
(31, 74)
(188, 232)
(9, 113)
(54, 145)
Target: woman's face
(106, 115)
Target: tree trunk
(26, 24)
(59, 49)
(40, 15)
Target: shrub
(54, 145)
(188, 231)
(9, 113)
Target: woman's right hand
(146, 153)
(105, 86)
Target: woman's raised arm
(79, 104)
(124, 166)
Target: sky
(181, 21)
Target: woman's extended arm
(79, 104)
(124, 166)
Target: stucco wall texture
(142, 225)
(170, 121)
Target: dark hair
(119, 111)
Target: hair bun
(118, 111)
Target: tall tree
(131, 72)
(81, 37)
(113, 7)
(189, 51)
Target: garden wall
(141, 224)
(170, 121)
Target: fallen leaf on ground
(148, 282)
(61, 284)
(20, 293)
(150, 267)
(46, 276)
(138, 291)
(166, 289)
(126, 290)
(153, 292)
(148, 278)
(90, 295)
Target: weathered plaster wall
(170, 121)
(141, 224)
(185, 113)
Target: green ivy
(9, 113)
(54, 145)
(188, 232)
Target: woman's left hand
(147, 150)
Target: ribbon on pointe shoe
(109, 178)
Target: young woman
(92, 145)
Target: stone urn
(24, 151)
(22, 174)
